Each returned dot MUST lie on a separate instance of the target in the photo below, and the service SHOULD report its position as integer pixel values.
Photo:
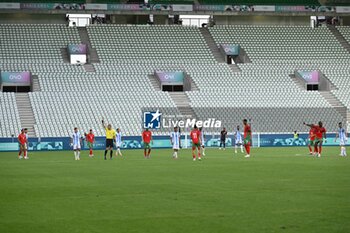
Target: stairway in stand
(26, 113)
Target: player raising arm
(175, 140)
(90, 139)
(147, 139)
(342, 135)
(110, 138)
(196, 143)
(247, 137)
(22, 140)
(320, 136)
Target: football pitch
(276, 190)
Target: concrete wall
(262, 20)
(21, 18)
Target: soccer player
(22, 140)
(312, 137)
(238, 139)
(76, 141)
(196, 143)
(26, 145)
(202, 141)
(147, 139)
(175, 141)
(223, 135)
(110, 138)
(320, 136)
(118, 142)
(90, 139)
(342, 135)
(247, 137)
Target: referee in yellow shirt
(110, 139)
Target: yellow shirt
(110, 133)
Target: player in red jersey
(321, 136)
(90, 139)
(196, 142)
(22, 140)
(247, 137)
(312, 137)
(147, 139)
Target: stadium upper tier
(283, 44)
(121, 86)
(149, 44)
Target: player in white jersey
(76, 142)
(175, 139)
(26, 145)
(342, 135)
(238, 140)
(118, 142)
(202, 141)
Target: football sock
(310, 149)
(242, 148)
(149, 152)
(111, 153)
(320, 149)
(75, 154)
(78, 154)
(105, 154)
(90, 151)
(203, 150)
(315, 149)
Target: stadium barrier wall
(171, 7)
(134, 142)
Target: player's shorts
(76, 146)
(318, 140)
(246, 141)
(118, 144)
(146, 145)
(239, 142)
(176, 146)
(109, 143)
(342, 142)
(311, 141)
(90, 145)
(195, 144)
(22, 146)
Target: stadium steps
(182, 103)
(64, 54)
(335, 102)
(297, 81)
(339, 37)
(212, 45)
(36, 83)
(26, 113)
(89, 68)
(234, 68)
(154, 82)
(85, 39)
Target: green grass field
(277, 190)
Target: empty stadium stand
(119, 86)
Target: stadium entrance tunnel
(172, 81)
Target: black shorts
(109, 143)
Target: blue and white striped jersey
(342, 134)
(118, 137)
(175, 138)
(76, 138)
(238, 135)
